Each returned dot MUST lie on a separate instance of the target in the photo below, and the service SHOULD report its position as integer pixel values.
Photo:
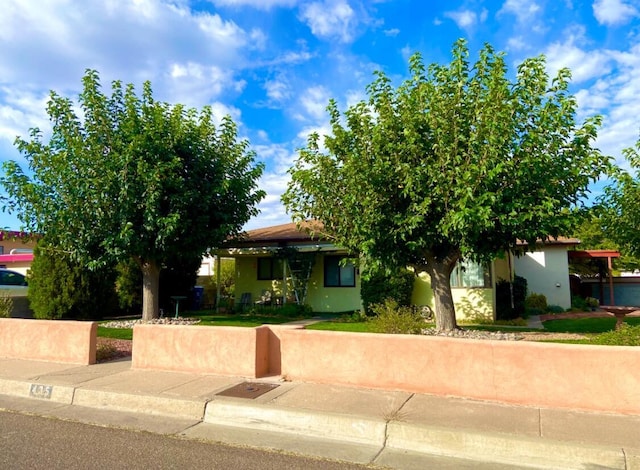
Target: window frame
(275, 272)
(349, 265)
(457, 279)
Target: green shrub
(580, 304)
(504, 309)
(62, 288)
(356, 317)
(376, 286)
(625, 336)
(6, 305)
(592, 302)
(536, 302)
(395, 319)
(555, 309)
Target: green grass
(355, 327)
(116, 333)
(211, 318)
(586, 325)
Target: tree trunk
(150, 290)
(439, 270)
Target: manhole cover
(248, 390)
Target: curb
(503, 448)
(362, 439)
(322, 425)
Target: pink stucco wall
(208, 350)
(48, 340)
(602, 378)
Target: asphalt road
(35, 442)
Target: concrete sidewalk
(384, 428)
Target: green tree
(60, 287)
(131, 177)
(621, 214)
(456, 162)
(593, 235)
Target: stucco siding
(547, 273)
(319, 297)
(470, 303)
(331, 299)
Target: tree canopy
(131, 177)
(621, 204)
(595, 235)
(455, 162)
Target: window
(269, 269)
(338, 274)
(471, 274)
(1, 250)
(9, 278)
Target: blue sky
(273, 65)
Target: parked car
(13, 283)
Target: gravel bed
(474, 334)
(156, 321)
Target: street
(34, 442)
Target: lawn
(586, 325)
(577, 325)
(211, 318)
(355, 327)
(115, 333)
(272, 317)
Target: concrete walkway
(383, 428)
(534, 321)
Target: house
(296, 267)
(294, 264)
(16, 251)
(546, 269)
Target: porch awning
(599, 254)
(16, 258)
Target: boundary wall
(590, 378)
(580, 377)
(49, 340)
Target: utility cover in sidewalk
(248, 390)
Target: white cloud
(584, 64)
(614, 12)
(277, 90)
(615, 95)
(51, 43)
(524, 10)
(320, 129)
(220, 110)
(517, 44)
(393, 32)
(463, 19)
(354, 97)
(315, 101)
(274, 182)
(330, 19)
(258, 4)
(195, 84)
(279, 156)
(22, 110)
(466, 19)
